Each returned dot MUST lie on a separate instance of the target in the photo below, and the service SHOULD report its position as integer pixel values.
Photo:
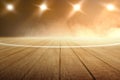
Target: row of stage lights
(76, 7)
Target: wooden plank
(13, 50)
(16, 66)
(58, 64)
(107, 56)
(7, 48)
(12, 68)
(71, 67)
(46, 67)
(97, 67)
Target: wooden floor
(22, 63)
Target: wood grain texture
(20, 63)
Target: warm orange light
(76, 7)
(9, 7)
(110, 7)
(43, 7)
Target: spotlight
(9, 7)
(43, 7)
(76, 7)
(110, 7)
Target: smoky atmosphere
(41, 18)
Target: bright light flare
(9, 7)
(77, 7)
(111, 7)
(43, 7)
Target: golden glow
(77, 7)
(110, 7)
(43, 7)
(10, 7)
(72, 42)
